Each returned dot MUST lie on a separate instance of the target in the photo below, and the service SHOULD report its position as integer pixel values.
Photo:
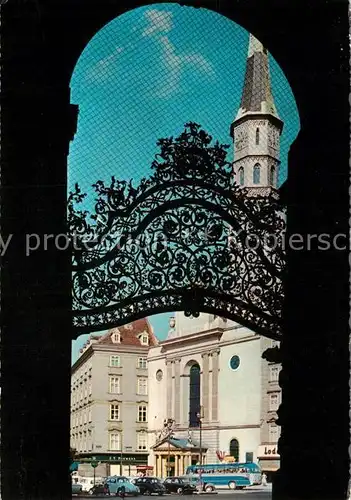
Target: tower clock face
(273, 138)
(241, 138)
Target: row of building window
(81, 418)
(144, 338)
(81, 375)
(115, 412)
(115, 385)
(82, 441)
(115, 441)
(256, 175)
(114, 388)
(82, 394)
(115, 361)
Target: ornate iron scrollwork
(188, 238)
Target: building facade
(109, 399)
(211, 396)
(271, 399)
(191, 378)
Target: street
(253, 493)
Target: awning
(74, 466)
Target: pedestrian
(122, 492)
(264, 479)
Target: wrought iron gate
(188, 238)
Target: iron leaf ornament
(188, 238)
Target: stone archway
(37, 124)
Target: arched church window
(271, 176)
(241, 176)
(194, 395)
(256, 173)
(234, 449)
(257, 136)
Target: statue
(172, 330)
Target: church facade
(211, 395)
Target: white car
(88, 482)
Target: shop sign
(125, 458)
(268, 451)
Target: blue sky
(147, 73)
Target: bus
(234, 475)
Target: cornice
(201, 350)
(120, 348)
(251, 115)
(185, 339)
(95, 348)
(257, 157)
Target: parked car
(99, 489)
(116, 483)
(179, 485)
(150, 485)
(88, 482)
(204, 485)
(76, 488)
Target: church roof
(257, 95)
(180, 443)
(183, 443)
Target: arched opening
(234, 449)
(194, 395)
(123, 99)
(257, 174)
(257, 136)
(52, 214)
(241, 176)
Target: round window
(159, 375)
(234, 362)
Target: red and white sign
(220, 455)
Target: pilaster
(205, 386)
(215, 375)
(177, 391)
(169, 388)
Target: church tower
(257, 128)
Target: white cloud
(177, 63)
(160, 22)
(101, 70)
(200, 62)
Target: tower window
(256, 173)
(194, 395)
(271, 176)
(257, 136)
(241, 176)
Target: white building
(214, 364)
